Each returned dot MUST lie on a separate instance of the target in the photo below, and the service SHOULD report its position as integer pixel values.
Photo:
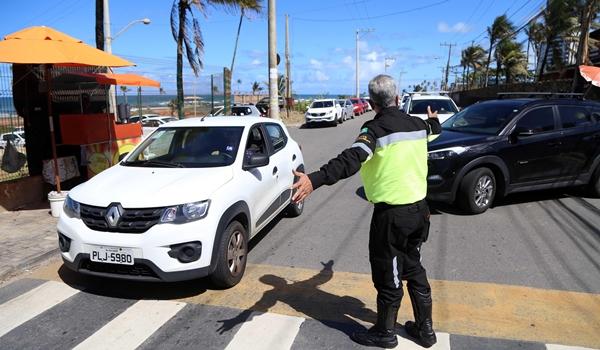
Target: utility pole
(358, 31)
(288, 79)
(112, 97)
(273, 88)
(386, 60)
(400, 81)
(448, 63)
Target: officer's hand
(303, 187)
(431, 114)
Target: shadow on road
(336, 312)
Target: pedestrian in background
(391, 154)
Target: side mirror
(255, 161)
(122, 156)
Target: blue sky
(322, 37)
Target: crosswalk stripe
(443, 343)
(133, 326)
(565, 347)
(28, 305)
(267, 331)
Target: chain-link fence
(13, 159)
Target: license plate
(112, 255)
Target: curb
(28, 263)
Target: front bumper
(323, 119)
(440, 180)
(150, 249)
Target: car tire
(594, 185)
(477, 191)
(232, 256)
(341, 120)
(294, 210)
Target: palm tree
(239, 81)
(161, 91)
(256, 88)
(511, 59)
(588, 10)
(556, 22)
(499, 29)
(244, 5)
(124, 89)
(472, 56)
(535, 36)
(188, 36)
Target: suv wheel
(477, 190)
(294, 209)
(231, 257)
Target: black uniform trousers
(395, 238)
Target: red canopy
(121, 79)
(591, 74)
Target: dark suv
(497, 147)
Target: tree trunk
(463, 78)
(487, 65)
(180, 34)
(544, 58)
(468, 69)
(237, 38)
(498, 67)
(583, 45)
(100, 24)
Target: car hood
(320, 110)
(454, 138)
(141, 187)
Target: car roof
(221, 121)
(430, 97)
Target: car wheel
(477, 190)
(595, 183)
(294, 209)
(233, 252)
(341, 120)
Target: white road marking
(443, 343)
(132, 327)
(565, 347)
(26, 306)
(267, 331)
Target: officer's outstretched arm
(434, 129)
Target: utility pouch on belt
(426, 225)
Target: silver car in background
(347, 109)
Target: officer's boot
(422, 328)
(382, 333)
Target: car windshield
(341, 102)
(189, 147)
(241, 110)
(484, 118)
(441, 106)
(322, 104)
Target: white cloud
(320, 76)
(316, 64)
(348, 60)
(459, 27)
(256, 62)
(372, 56)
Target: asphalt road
(547, 239)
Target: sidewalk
(27, 237)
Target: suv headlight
(71, 208)
(185, 212)
(447, 152)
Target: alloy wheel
(236, 253)
(484, 190)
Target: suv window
(537, 121)
(277, 136)
(574, 116)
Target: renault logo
(113, 215)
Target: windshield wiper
(161, 163)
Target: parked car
(263, 104)
(403, 100)
(159, 119)
(498, 147)
(217, 111)
(358, 106)
(16, 138)
(324, 111)
(245, 110)
(137, 118)
(366, 105)
(347, 109)
(416, 105)
(203, 187)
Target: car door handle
(275, 170)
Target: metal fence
(12, 129)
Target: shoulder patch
(364, 130)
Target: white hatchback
(416, 105)
(184, 203)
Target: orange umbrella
(591, 74)
(47, 46)
(122, 79)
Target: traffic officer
(391, 154)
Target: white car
(347, 109)
(416, 105)
(16, 138)
(245, 110)
(184, 203)
(324, 110)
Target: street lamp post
(112, 98)
(358, 31)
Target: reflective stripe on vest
(397, 172)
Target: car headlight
(447, 152)
(185, 212)
(71, 208)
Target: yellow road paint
(466, 308)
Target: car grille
(317, 114)
(131, 221)
(137, 269)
